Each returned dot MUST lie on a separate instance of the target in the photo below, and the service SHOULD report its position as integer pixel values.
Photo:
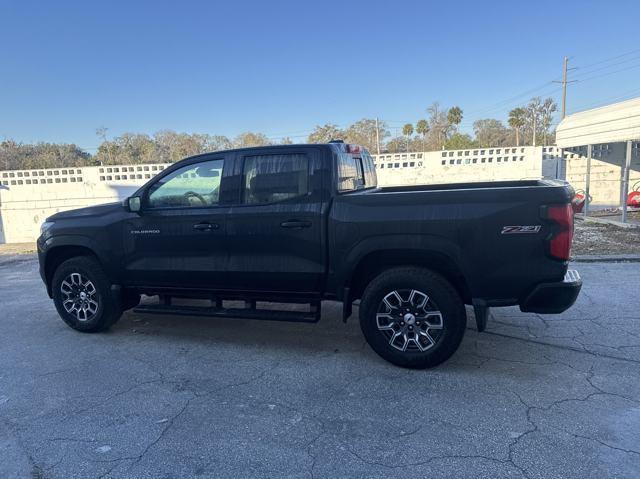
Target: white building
(606, 142)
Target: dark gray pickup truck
(244, 229)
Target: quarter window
(272, 178)
(196, 185)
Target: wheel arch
(375, 262)
(59, 254)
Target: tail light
(562, 236)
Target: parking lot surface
(172, 397)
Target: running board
(312, 316)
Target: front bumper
(42, 247)
(553, 298)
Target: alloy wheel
(409, 320)
(79, 297)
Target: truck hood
(98, 210)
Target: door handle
(206, 226)
(296, 224)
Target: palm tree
(454, 115)
(407, 130)
(422, 128)
(517, 119)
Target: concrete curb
(606, 258)
(607, 221)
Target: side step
(312, 316)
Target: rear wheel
(83, 297)
(412, 317)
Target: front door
(275, 232)
(178, 238)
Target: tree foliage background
(438, 130)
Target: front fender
(50, 248)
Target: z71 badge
(516, 230)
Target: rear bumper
(553, 298)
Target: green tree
(363, 132)
(533, 117)
(18, 156)
(325, 133)
(407, 131)
(102, 134)
(454, 116)
(217, 143)
(437, 126)
(459, 141)
(517, 120)
(442, 123)
(490, 132)
(547, 109)
(249, 138)
(396, 144)
(422, 129)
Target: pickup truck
(242, 231)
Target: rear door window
(274, 178)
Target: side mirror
(132, 204)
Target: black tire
(421, 351)
(96, 319)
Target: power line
(606, 67)
(586, 67)
(503, 103)
(582, 80)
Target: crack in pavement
(564, 347)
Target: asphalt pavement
(173, 397)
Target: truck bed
(459, 224)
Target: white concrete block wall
(28, 197)
(455, 166)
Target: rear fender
(411, 250)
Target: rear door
(178, 238)
(275, 230)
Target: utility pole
(564, 82)
(535, 116)
(377, 136)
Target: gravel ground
(17, 248)
(602, 239)
(170, 397)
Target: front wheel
(412, 317)
(83, 297)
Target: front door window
(192, 186)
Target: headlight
(45, 227)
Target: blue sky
(283, 67)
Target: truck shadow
(226, 339)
